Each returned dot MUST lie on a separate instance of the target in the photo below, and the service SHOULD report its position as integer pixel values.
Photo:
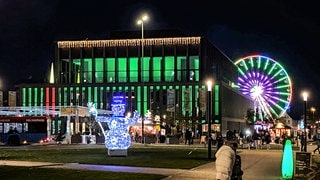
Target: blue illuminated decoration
(302, 124)
(118, 106)
(92, 109)
(117, 136)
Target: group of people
(13, 130)
(14, 138)
(257, 140)
(303, 142)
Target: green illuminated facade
(169, 80)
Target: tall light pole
(141, 21)
(312, 109)
(209, 115)
(305, 98)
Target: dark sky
(286, 31)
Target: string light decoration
(117, 137)
(129, 42)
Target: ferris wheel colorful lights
(267, 82)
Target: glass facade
(127, 70)
(93, 71)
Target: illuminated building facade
(169, 81)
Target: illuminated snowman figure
(117, 137)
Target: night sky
(286, 31)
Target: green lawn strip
(181, 158)
(31, 173)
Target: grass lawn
(166, 157)
(28, 173)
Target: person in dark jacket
(268, 140)
(188, 135)
(237, 171)
(303, 141)
(318, 146)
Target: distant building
(170, 80)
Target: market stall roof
(280, 125)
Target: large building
(167, 76)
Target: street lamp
(141, 21)
(305, 98)
(209, 115)
(312, 109)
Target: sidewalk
(257, 165)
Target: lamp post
(305, 98)
(312, 109)
(209, 116)
(141, 21)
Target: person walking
(303, 141)
(318, 146)
(256, 139)
(268, 141)
(225, 160)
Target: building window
(145, 69)
(99, 70)
(133, 69)
(76, 68)
(122, 69)
(111, 69)
(169, 68)
(194, 68)
(87, 70)
(182, 68)
(156, 65)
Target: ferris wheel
(266, 82)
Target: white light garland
(129, 42)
